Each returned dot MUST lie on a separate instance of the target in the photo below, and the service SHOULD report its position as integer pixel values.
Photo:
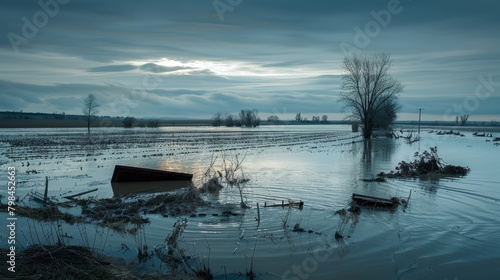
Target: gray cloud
(286, 64)
(273, 55)
(112, 68)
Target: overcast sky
(194, 58)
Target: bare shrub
(230, 174)
(169, 252)
(409, 137)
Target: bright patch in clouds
(231, 68)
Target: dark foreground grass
(60, 262)
(57, 262)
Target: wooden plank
(367, 197)
(372, 200)
(78, 194)
(137, 174)
(38, 197)
(283, 204)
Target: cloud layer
(188, 59)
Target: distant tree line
(12, 115)
(129, 122)
(247, 118)
(315, 119)
(250, 118)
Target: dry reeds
(169, 252)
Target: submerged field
(448, 231)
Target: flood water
(450, 230)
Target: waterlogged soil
(448, 230)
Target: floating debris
(299, 204)
(450, 132)
(364, 200)
(338, 235)
(424, 164)
(482, 134)
(82, 193)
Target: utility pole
(419, 117)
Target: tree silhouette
(368, 88)
(90, 109)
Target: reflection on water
(378, 150)
(121, 189)
(340, 234)
(343, 247)
(375, 155)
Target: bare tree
(128, 122)
(229, 120)
(249, 118)
(90, 109)
(367, 87)
(217, 119)
(324, 118)
(463, 119)
(273, 119)
(298, 118)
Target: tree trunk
(88, 128)
(367, 130)
(367, 134)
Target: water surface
(451, 229)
